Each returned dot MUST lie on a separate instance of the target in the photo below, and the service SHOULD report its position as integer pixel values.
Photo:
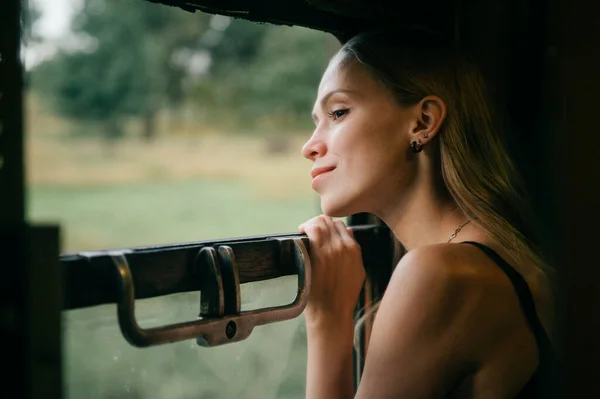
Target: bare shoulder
(467, 267)
(449, 311)
(455, 264)
(444, 265)
(451, 279)
(438, 316)
(463, 289)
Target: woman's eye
(338, 113)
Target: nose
(314, 148)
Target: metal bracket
(222, 320)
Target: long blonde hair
(474, 163)
(475, 166)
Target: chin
(337, 208)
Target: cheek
(375, 158)
(361, 184)
(372, 164)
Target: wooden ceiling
(339, 17)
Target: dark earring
(416, 146)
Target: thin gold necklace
(455, 232)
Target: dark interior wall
(30, 282)
(542, 59)
(578, 167)
(12, 237)
(509, 41)
(515, 44)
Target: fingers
(350, 231)
(331, 228)
(347, 236)
(302, 227)
(324, 221)
(314, 231)
(324, 228)
(341, 229)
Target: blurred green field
(181, 187)
(95, 217)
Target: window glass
(269, 364)
(147, 124)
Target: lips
(318, 171)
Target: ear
(430, 114)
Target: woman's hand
(337, 270)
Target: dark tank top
(543, 381)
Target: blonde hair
(474, 163)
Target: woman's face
(360, 147)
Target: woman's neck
(424, 219)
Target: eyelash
(334, 114)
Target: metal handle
(222, 321)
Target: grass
(181, 187)
(95, 217)
(178, 188)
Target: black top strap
(546, 369)
(519, 284)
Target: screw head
(230, 329)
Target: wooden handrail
(91, 278)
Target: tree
(127, 68)
(138, 57)
(261, 71)
(29, 16)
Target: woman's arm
(329, 370)
(427, 328)
(337, 278)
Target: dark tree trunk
(113, 131)
(149, 132)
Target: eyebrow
(326, 97)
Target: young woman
(403, 131)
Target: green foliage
(137, 62)
(30, 15)
(290, 68)
(266, 73)
(127, 69)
